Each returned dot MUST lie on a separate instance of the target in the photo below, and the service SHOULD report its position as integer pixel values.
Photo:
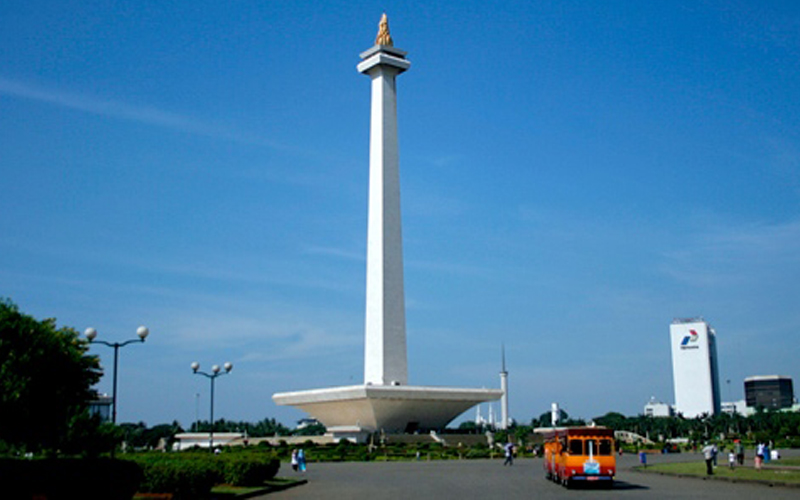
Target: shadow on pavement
(622, 485)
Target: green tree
(613, 420)
(45, 380)
(310, 430)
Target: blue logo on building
(692, 337)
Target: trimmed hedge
(70, 478)
(193, 474)
(184, 479)
(249, 470)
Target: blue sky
(574, 176)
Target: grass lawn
(741, 473)
(226, 491)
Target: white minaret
(504, 388)
(385, 361)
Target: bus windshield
(590, 447)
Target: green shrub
(187, 478)
(250, 470)
(193, 474)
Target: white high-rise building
(695, 371)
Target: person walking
(738, 448)
(509, 449)
(301, 459)
(295, 462)
(708, 455)
(759, 458)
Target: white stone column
(385, 359)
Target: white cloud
(737, 254)
(336, 252)
(141, 114)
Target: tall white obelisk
(385, 359)
(385, 401)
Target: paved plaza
(487, 479)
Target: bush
(193, 474)
(188, 478)
(249, 470)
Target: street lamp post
(142, 332)
(215, 372)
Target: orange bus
(580, 454)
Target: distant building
(772, 392)
(695, 370)
(188, 440)
(735, 407)
(306, 422)
(657, 409)
(101, 406)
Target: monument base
(363, 409)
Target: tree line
(46, 379)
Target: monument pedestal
(359, 410)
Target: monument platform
(364, 409)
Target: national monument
(385, 401)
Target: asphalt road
(488, 479)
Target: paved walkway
(487, 479)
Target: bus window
(575, 447)
(605, 447)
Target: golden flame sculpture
(384, 38)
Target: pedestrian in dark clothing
(509, 448)
(708, 454)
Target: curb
(771, 484)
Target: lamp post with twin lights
(215, 372)
(91, 333)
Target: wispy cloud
(260, 331)
(739, 254)
(185, 271)
(148, 115)
(335, 252)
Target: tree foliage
(761, 426)
(140, 436)
(564, 420)
(45, 380)
(264, 428)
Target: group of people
(736, 455)
(299, 460)
(764, 454)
